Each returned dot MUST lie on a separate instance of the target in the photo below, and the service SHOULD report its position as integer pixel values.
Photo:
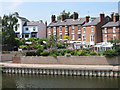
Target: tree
(52, 41)
(114, 42)
(68, 15)
(9, 22)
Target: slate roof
(67, 22)
(112, 24)
(92, 23)
(33, 23)
(23, 19)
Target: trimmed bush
(111, 53)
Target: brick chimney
(63, 17)
(102, 16)
(112, 14)
(87, 19)
(53, 17)
(75, 15)
(115, 17)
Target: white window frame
(92, 29)
(79, 28)
(49, 29)
(83, 29)
(73, 28)
(60, 36)
(114, 29)
(60, 28)
(105, 30)
(105, 38)
(54, 29)
(66, 28)
(92, 38)
(83, 38)
(114, 36)
(73, 38)
(78, 37)
(34, 28)
(26, 29)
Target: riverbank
(50, 69)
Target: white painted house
(29, 29)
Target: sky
(35, 11)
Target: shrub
(93, 53)
(54, 51)
(111, 53)
(67, 54)
(67, 50)
(30, 53)
(54, 55)
(61, 52)
(39, 50)
(23, 46)
(82, 53)
(45, 53)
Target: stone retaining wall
(73, 60)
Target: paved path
(56, 66)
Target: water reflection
(46, 81)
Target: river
(51, 81)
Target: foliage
(111, 53)
(67, 54)
(68, 15)
(23, 46)
(39, 50)
(60, 45)
(45, 53)
(66, 37)
(8, 34)
(51, 42)
(82, 53)
(93, 53)
(54, 51)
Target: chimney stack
(115, 17)
(53, 17)
(102, 16)
(63, 17)
(75, 15)
(112, 14)
(87, 19)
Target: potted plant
(16, 59)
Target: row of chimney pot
(114, 17)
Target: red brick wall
(63, 32)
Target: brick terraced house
(66, 27)
(111, 30)
(86, 30)
(91, 31)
